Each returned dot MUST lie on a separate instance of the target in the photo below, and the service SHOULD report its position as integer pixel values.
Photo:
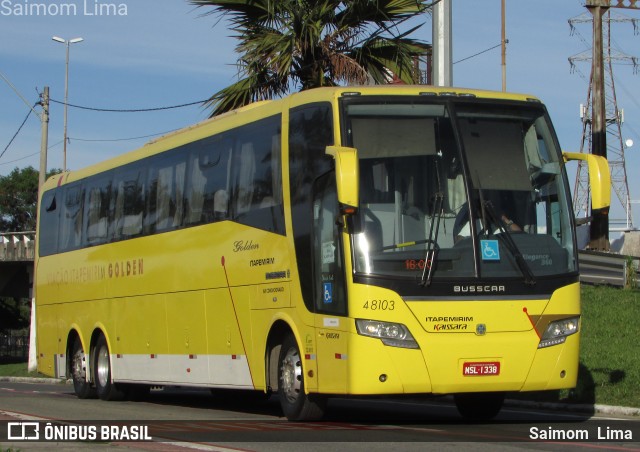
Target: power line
(479, 53)
(21, 158)
(30, 155)
(133, 110)
(16, 134)
(121, 139)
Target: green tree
(287, 45)
(19, 199)
(15, 313)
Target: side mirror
(347, 177)
(599, 178)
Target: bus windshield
(458, 189)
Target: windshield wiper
(432, 245)
(507, 239)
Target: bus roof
(266, 108)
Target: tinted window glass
(256, 196)
(128, 202)
(166, 193)
(207, 195)
(70, 237)
(97, 201)
(310, 132)
(48, 232)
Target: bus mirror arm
(599, 178)
(347, 177)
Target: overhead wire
(105, 140)
(16, 134)
(124, 110)
(477, 54)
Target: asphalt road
(181, 419)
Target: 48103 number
(380, 305)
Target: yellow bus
(372, 240)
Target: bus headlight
(392, 334)
(557, 331)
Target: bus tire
(106, 389)
(82, 387)
(296, 404)
(479, 406)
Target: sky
(140, 54)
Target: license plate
(480, 369)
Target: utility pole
(599, 232)
(44, 142)
(67, 43)
(504, 45)
(442, 46)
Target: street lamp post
(66, 92)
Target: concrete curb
(575, 407)
(35, 380)
(567, 407)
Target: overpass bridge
(17, 251)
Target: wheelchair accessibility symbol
(327, 289)
(490, 250)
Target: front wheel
(296, 405)
(479, 406)
(105, 388)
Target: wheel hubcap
(291, 375)
(103, 366)
(79, 369)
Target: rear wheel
(79, 364)
(105, 388)
(479, 406)
(296, 405)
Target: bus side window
(97, 200)
(165, 197)
(71, 218)
(207, 188)
(128, 204)
(256, 195)
(245, 182)
(48, 231)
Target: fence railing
(607, 268)
(17, 246)
(14, 346)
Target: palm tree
(290, 45)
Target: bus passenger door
(330, 303)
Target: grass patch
(610, 362)
(12, 369)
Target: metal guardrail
(605, 268)
(17, 246)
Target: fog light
(383, 378)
